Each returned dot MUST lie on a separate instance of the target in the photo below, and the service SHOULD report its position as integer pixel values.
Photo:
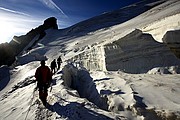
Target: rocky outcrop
(8, 51)
(7, 54)
(171, 39)
(50, 23)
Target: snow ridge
(117, 72)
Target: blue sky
(17, 17)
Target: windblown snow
(127, 71)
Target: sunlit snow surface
(125, 96)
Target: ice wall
(172, 39)
(94, 59)
(138, 53)
(78, 78)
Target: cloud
(12, 11)
(52, 5)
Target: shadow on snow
(4, 77)
(74, 111)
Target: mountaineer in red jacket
(43, 77)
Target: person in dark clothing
(59, 61)
(43, 77)
(53, 66)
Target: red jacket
(43, 74)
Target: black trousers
(43, 91)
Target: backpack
(43, 74)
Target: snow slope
(105, 88)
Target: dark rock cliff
(8, 51)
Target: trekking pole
(30, 103)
